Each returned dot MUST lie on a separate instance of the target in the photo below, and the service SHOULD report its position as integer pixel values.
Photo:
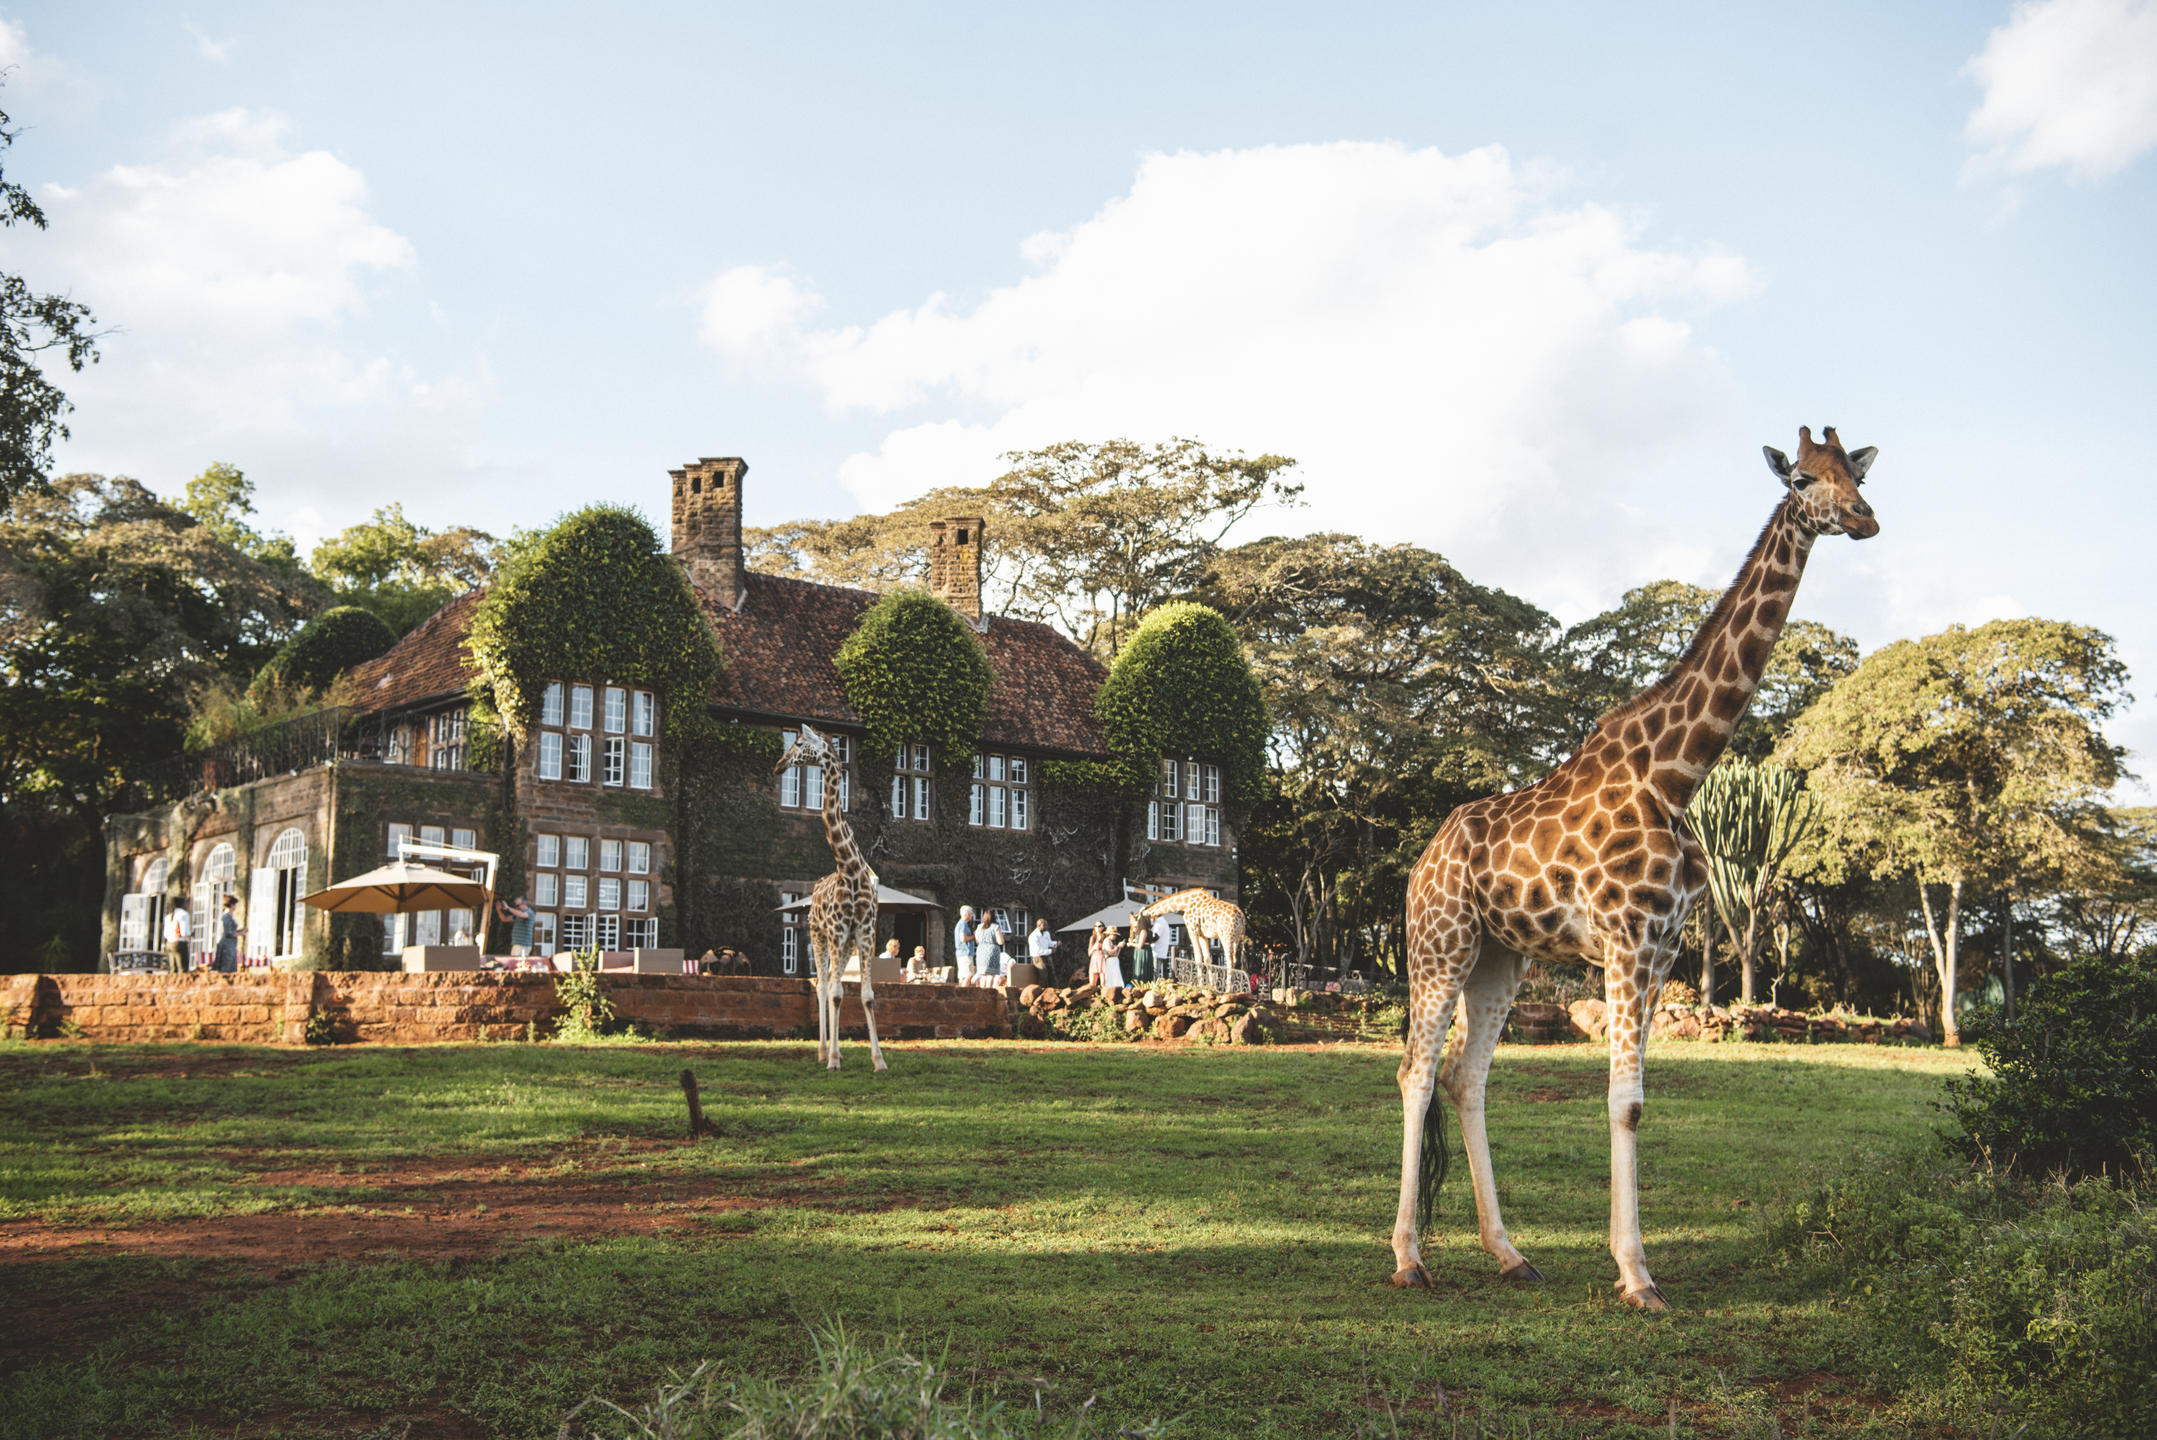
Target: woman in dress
(228, 937)
(1096, 947)
(989, 942)
(1141, 955)
(1111, 962)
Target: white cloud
(2070, 84)
(38, 83)
(1456, 353)
(215, 51)
(238, 277)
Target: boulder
(1173, 1025)
(1250, 1030)
(1586, 1019)
(1134, 1022)
(1029, 995)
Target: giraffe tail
(1434, 1161)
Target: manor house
(599, 828)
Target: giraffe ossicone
(1593, 864)
(842, 907)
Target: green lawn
(469, 1240)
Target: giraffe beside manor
(1594, 864)
(842, 909)
(1206, 916)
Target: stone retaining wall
(271, 1007)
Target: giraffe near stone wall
(1206, 916)
(842, 908)
(1593, 864)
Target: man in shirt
(1041, 947)
(177, 934)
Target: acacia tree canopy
(1085, 537)
(401, 570)
(1960, 759)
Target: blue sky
(1530, 284)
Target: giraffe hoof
(1647, 1297)
(1522, 1271)
(1414, 1277)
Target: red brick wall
(269, 1007)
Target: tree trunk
(1752, 936)
(1707, 955)
(2007, 953)
(1946, 951)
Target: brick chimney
(955, 564)
(707, 524)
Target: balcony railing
(341, 732)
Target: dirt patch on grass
(75, 1059)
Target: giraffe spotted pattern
(1594, 864)
(1207, 917)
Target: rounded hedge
(1183, 686)
(595, 598)
(324, 648)
(914, 670)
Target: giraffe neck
(837, 832)
(1684, 721)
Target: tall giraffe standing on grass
(842, 908)
(1594, 864)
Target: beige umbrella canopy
(399, 888)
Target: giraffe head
(1823, 483)
(809, 748)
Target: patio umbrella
(399, 888)
(886, 899)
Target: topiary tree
(324, 648)
(597, 598)
(1183, 686)
(915, 671)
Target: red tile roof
(778, 651)
(779, 647)
(426, 664)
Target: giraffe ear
(1779, 463)
(1861, 461)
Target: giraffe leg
(1486, 1000)
(1629, 989)
(816, 990)
(1430, 1008)
(834, 998)
(868, 1001)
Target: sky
(1528, 284)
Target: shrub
(1183, 686)
(1976, 1288)
(587, 1010)
(2073, 1082)
(914, 670)
(324, 648)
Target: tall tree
(401, 570)
(32, 409)
(222, 498)
(1087, 537)
(1397, 688)
(116, 609)
(1959, 760)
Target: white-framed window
(616, 710)
(579, 758)
(610, 855)
(288, 862)
(542, 933)
(550, 755)
(464, 839)
(640, 765)
(576, 890)
(576, 932)
(1186, 808)
(427, 928)
(644, 934)
(576, 852)
(910, 783)
(640, 857)
(546, 851)
(433, 835)
(580, 707)
(613, 757)
(801, 787)
(398, 834)
(610, 893)
(790, 934)
(445, 740)
(643, 714)
(134, 923)
(550, 704)
(607, 931)
(640, 895)
(1014, 922)
(1002, 792)
(546, 888)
